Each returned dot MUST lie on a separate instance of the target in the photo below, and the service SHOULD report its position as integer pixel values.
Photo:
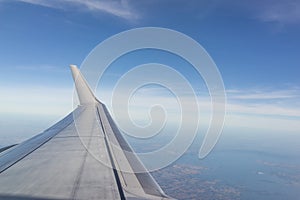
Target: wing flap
(136, 180)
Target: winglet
(85, 94)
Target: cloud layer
(117, 8)
(280, 11)
(255, 109)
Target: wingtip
(85, 94)
(73, 67)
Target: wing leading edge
(57, 164)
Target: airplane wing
(63, 162)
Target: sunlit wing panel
(62, 164)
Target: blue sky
(255, 45)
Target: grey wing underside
(83, 156)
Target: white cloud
(117, 8)
(41, 68)
(287, 11)
(36, 101)
(263, 109)
(257, 109)
(276, 103)
(279, 11)
(262, 123)
(282, 12)
(263, 95)
(258, 113)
